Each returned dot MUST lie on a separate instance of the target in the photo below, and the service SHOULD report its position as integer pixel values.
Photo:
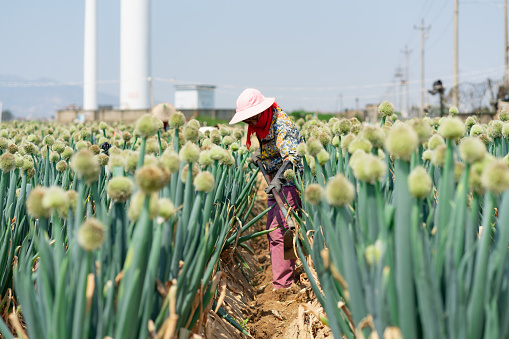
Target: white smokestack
(90, 57)
(134, 54)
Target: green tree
(7, 115)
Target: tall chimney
(90, 57)
(134, 54)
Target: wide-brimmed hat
(249, 103)
(163, 111)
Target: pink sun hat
(249, 103)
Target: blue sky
(304, 53)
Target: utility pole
(423, 30)
(407, 53)
(455, 77)
(340, 102)
(506, 75)
(399, 78)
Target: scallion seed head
(369, 168)
(177, 120)
(34, 203)
(422, 128)
(313, 146)
(191, 133)
(339, 191)
(401, 141)
(55, 199)
(205, 160)
(85, 165)
(359, 143)
(7, 162)
(301, 149)
(471, 150)
(451, 128)
(189, 153)
(120, 188)
(495, 177)
(386, 109)
(137, 202)
(54, 157)
(48, 140)
(146, 125)
(289, 175)
(504, 116)
(374, 135)
(151, 178)
(435, 141)
(166, 208)
(314, 194)
(495, 129)
(61, 166)
(373, 253)
(426, 155)
(453, 110)
(322, 157)
(204, 182)
(91, 234)
(419, 182)
(346, 140)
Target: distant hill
(43, 102)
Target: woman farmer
(278, 137)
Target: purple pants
(282, 270)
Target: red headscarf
(262, 126)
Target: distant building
(188, 97)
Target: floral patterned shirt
(280, 144)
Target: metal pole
(455, 77)
(506, 77)
(407, 53)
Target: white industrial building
(194, 97)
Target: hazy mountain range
(32, 102)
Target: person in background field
(163, 111)
(278, 137)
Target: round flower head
(339, 191)
(289, 175)
(120, 189)
(166, 208)
(34, 203)
(426, 155)
(469, 122)
(151, 178)
(151, 146)
(227, 140)
(451, 128)
(85, 133)
(12, 148)
(335, 141)
(146, 125)
(54, 157)
(324, 138)
(471, 150)
(369, 168)
(504, 116)
(344, 126)
(346, 140)
(476, 130)
(356, 129)
(505, 131)
(495, 129)
(495, 177)
(360, 143)
(137, 202)
(314, 194)
(301, 149)
(3, 143)
(374, 135)
(234, 147)
(19, 161)
(313, 146)
(191, 133)
(422, 128)
(55, 198)
(401, 141)
(217, 153)
(438, 156)
(116, 161)
(177, 120)
(79, 145)
(126, 136)
(419, 182)
(322, 157)
(29, 148)
(453, 110)
(435, 141)
(373, 253)
(48, 140)
(386, 109)
(215, 137)
(7, 162)
(28, 163)
(131, 161)
(67, 153)
(91, 234)
(205, 159)
(61, 166)
(204, 182)
(85, 165)
(185, 169)
(58, 146)
(189, 152)
(103, 125)
(170, 160)
(228, 159)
